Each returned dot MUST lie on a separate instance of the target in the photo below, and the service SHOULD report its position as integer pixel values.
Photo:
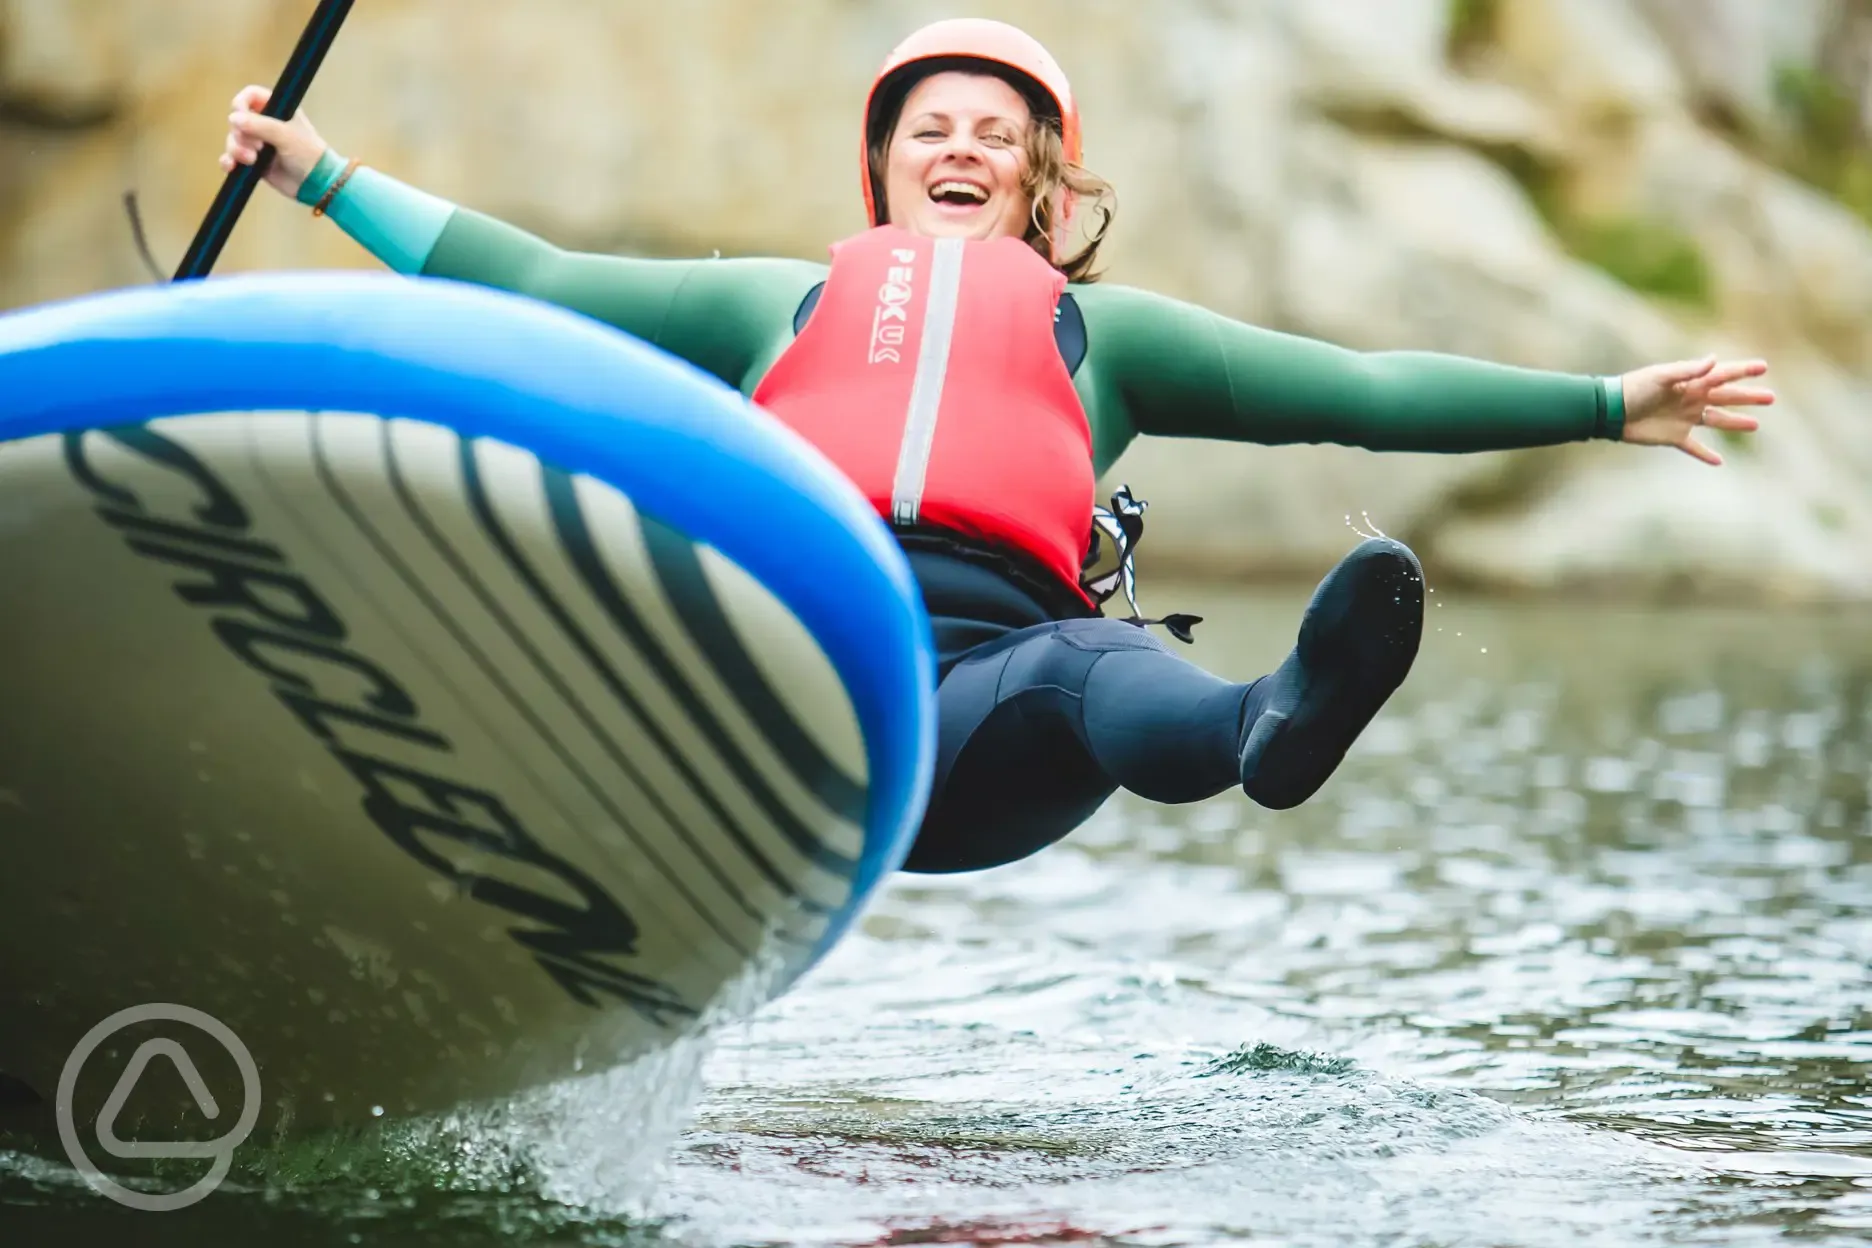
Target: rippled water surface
(1575, 949)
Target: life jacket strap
(1103, 574)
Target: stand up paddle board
(442, 692)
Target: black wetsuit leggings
(1037, 728)
(1040, 720)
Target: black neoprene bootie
(1357, 642)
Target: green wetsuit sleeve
(394, 222)
(1159, 366)
(730, 318)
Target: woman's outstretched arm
(1170, 368)
(723, 316)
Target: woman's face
(956, 158)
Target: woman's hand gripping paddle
(238, 187)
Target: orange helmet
(977, 39)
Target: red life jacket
(929, 374)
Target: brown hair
(1048, 173)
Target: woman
(973, 380)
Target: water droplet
(376, 1111)
(1484, 649)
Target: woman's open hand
(1666, 403)
(296, 145)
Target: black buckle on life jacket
(1103, 573)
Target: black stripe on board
(618, 754)
(387, 552)
(809, 846)
(579, 547)
(680, 570)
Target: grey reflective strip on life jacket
(932, 366)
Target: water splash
(595, 1143)
(1264, 1056)
(583, 1157)
(1376, 532)
(1371, 531)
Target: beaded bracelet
(331, 192)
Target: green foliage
(1853, 183)
(1830, 516)
(1647, 255)
(1828, 151)
(1819, 106)
(1472, 25)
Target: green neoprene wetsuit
(1153, 365)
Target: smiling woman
(992, 140)
(954, 164)
(954, 363)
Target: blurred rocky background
(1583, 185)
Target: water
(1576, 949)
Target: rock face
(1328, 169)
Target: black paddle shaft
(288, 93)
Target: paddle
(288, 93)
